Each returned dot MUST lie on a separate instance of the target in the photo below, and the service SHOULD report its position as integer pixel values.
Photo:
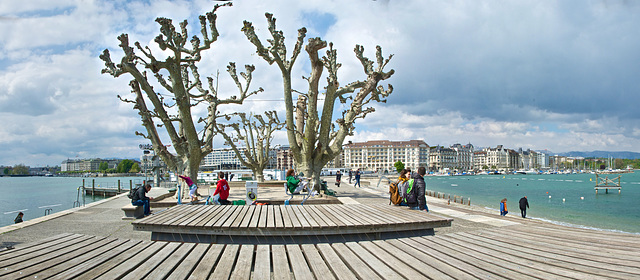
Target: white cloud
(531, 74)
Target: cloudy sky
(556, 75)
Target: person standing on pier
(338, 177)
(140, 199)
(524, 204)
(350, 176)
(357, 179)
(503, 207)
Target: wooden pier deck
(524, 251)
(285, 223)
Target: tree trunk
(258, 175)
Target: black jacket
(421, 188)
(524, 203)
(140, 194)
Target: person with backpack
(357, 179)
(139, 198)
(416, 191)
(503, 207)
(338, 177)
(400, 188)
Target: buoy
(549, 196)
(547, 192)
(582, 197)
(563, 200)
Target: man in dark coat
(524, 204)
(140, 198)
(420, 189)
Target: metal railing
(77, 202)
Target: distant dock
(607, 184)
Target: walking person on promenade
(193, 188)
(420, 188)
(140, 199)
(350, 176)
(18, 218)
(357, 179)
(222, 189)
(503, 207)
(338, 177)
(524, 204)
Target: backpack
(412, 194)
(394, 194)
(132, 192)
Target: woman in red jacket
(222, 189)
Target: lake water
(612, 211)
(33, 195)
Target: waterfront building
(464, 157)
(381, 155)
(442, 159)
(223, 158)
(480, 160)
(497, 158)
(284, 158)
(513, 160)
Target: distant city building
(442, 158)
(480, 160)
(225, 158)
(87, 164)
(497, 158)
(381, 155)
(464, 156)
(284, 158)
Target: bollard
(118, 186)
(93, 189)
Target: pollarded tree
(181, 90)
(256, 134)
(315, 137)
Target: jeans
(357, 182)
(145, 203)
(523, 212)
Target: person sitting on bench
(294, 184)
(140, 198)
(222, 190)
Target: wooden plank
(244, 263)
(303, 221)
(37, 248)
(234, 210)
(355, 264)
(376, 264)
(286, 220)
(271, 223)
(318, 265)
(255, 219)
(108, 262)
(348, 222)
(16, 264)
(295, 223)
(281, 268)
(435, 266)
(262, 222)
(394, 263)
(171, 262)
(183, 269)
(223, 268)
(51, 259)
(418, 265)
(71, 261)
(299, 265)
(243, 212)
(222, 212)
(134, 260)
(262, 267)
(543, 255)
(486, 260)
(279, 222)
(152, 263)
(310, 218)
(247, 217)
(194, 215)
(207, 263)
(319, 217)
(335, 220)
(200, 221)
(154, 219)
(238, 214)
(342, 271)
